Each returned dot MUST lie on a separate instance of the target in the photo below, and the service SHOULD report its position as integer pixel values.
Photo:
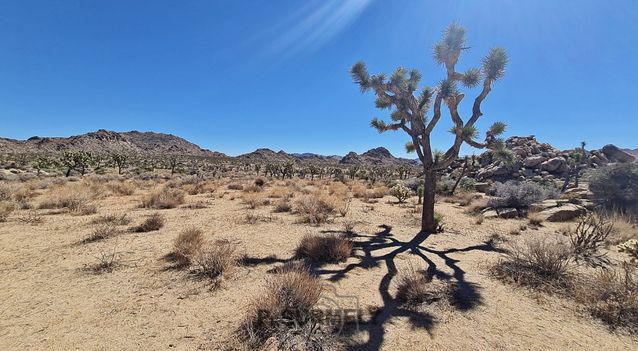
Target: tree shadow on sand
(382, 247)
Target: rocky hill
(540, 161)
(633, 152)
(104, 141)
(377, 156)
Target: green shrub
(520, 195)
(616, 187)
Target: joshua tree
(120, 161)
(76, 160)
(410, 109)
(468, 164)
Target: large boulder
(563, 213)
(534, 161)
(554, 165)
(614, 154)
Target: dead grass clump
(102, 232)
(538, 264)
(288, 303)
(316, 208)
(124, 188)
(253, 200)
(6, 192)
(164, 198)
(324, 248)
(535, 219)
(5, 210)
(282, 205)
(624, 229)
(477, 206)
(188, 245)
(32, 217)
(252, 218)
(417, 287)
(106, 262)
(280, 192)
(612, 296)
(152, 223)
(112, 219)
(215, 260)
(235, 186)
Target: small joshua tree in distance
(410, 108)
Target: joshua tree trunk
(429, 190)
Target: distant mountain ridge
(104, 142)
(633, 152)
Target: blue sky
(235, 75)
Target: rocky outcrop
(614, 154)
(563, 213)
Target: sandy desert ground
(52, 299)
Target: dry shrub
(76, 202)
(280, 192)
(188, 245)
(106, 261)
(288, 301)
(538, 264)
(535, 218)
(6, 192)
(316, 208)
(588, 238)
(612, 296)
(477, 206)
(164, 198)
(417, 287)
(102, 232)
(282, 205)
(5, 210)
(253, 200)
(112, 219)
(358, 189)
(215, 260)
(235, 186)
(260, 182)
(624, 229)
(31, 217)
(338, 189)
(252, 218)
(152, 223)
(324, 248)
(122, 187)
(462, 198)
(253, 188)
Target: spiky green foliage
(471, 77)
(451, 44)
(493, 65)
(448, 89)
(425, 99)
(360, 75)
(497, 128)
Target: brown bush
(316, 208)
(188, 245)
(125, 188)
(288, 300)
(624, 229)
(164, 198)
(417, 287)
(536, 219)
(281, 192)
(235, 186)
(539, 264)
(112, 219)
(254, 200)
(215, 260)
(477, 206)
(152, 223)
(6, 192)
(328, 248)
(102, 232)
(282, 205)
(612, 297)
(5, 210)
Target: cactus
(419, 193)
(401, 192)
